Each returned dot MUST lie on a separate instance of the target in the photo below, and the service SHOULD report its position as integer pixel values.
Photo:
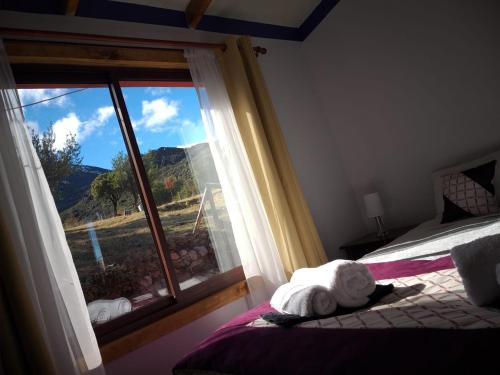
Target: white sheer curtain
(40, 243)
(254, 240)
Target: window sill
(126, 344)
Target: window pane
(183, 178)
(79, 143)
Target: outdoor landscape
(108, 202)
(78, 140)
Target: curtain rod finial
(259, 51)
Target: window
(136, 188)
(183, 180)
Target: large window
(132, 175)
(183, 180)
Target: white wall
(408, 87)
(311, 144)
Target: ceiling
(277, 19)
(276, 12)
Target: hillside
(187, 163)
(192, 168)
(130, 267)
(75, 186)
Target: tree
(159, 192)
(150, 166)
(185, 188)
(57, 164)
(154, 178)
(107, 186)
(126, 178)
(170, 183)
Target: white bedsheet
(432, 239)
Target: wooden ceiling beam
(70, 7)
(195, 11)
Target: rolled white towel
(102, 310)
(303, 300)
(350, 282)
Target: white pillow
(438, 189)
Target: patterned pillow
(469, 193)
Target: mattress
(427, 325)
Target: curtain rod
(7, 32)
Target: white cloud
(64, 128)
(156, 114)
(72, 125)
(104, 113)
(28, 96)
(158, 91)
(187, 122)
(100, 117)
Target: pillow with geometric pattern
(469, 193)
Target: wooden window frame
(33, 75)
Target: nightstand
(356, 249)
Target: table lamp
(375, 210)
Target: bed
(431, 239)
(426, 325)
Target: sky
(160, 116)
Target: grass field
(132, 266)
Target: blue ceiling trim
(257, 29)
(128, 12)
(167, 17)
(33, 6)
(315, 18)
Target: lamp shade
(373, 205)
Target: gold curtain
(22, 347)
(291, 222)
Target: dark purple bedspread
(237, 349)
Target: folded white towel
(303, 300)
(350, 282)
(102, 310)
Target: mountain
(72, 189)
(192, 167)
(194, 163)
(164, 156)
